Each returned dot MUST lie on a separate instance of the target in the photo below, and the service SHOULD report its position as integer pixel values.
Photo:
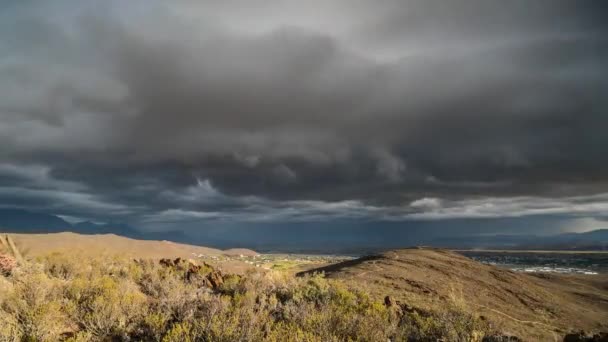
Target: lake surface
(548, 262)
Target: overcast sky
(164, 112)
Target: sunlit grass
(71, 298)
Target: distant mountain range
(30, 222)
(24, 221)
(310, 239)
(592, 240)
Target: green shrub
(10, 331)
(180, 332)
(106, 307)
(36, 305)
(61, 266)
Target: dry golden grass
(63, 298)
(536, 307)
(110, 244)
(94, 290)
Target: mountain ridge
(24, 221)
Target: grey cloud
(379, 104)
(592, 206)
(34, 186)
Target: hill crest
(41, 244)
(530, 306)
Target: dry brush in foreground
(67, 298)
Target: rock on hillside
(535, 307)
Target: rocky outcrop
(583, 336)
(402, 308)
(203, 275)
(166, 262)
(216, 279)
(389, 302)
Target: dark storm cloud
(162, 111)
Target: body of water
(546, 262)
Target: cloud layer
(162, 111)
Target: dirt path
(552, 327)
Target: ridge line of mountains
(24, 221)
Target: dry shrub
(68, 298)
(180, 332)
(451, 324)
(10, 331)
(7, 264)
(35, 303)
(62, 266)
(106, 307)
(170, 296)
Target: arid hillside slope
(41, 244)
(534, 307)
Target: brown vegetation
(67, 298)
(9, 255)
(7, 264)
(110, 244)
(405, 295)
(537, 307)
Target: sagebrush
(68, 298)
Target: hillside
(100, 298)
(110, 244)
(535, 307)
(427, 293)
